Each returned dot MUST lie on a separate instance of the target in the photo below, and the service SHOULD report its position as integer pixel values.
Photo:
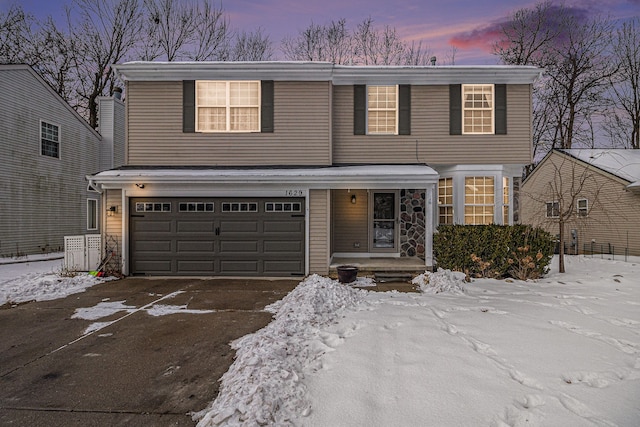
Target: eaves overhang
(325, 71)
(367, 176)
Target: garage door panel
(281, 267)
(283, 226)
(192, 266)
(239, 267)
(154, 266)
(195, 246)
(153, 245)
(248, 246)
(249, 226)
(152, 226)
(282, 246)
(195, 226)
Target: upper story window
(582, 207)
(228, 106)
(49, 140)
(382, 110)
(477, 109)
(553, 209)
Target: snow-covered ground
(563, 350)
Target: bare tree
(577, 63)
(16, 37)
(107, 32)
(330, 43)
(623, 124)
(251, 47)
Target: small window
(283, 207)
(92, 214)
(240, 207)
(49, 140)
(195, 207)
(505, 201)
(382, 110)
(477, 109)
(153, 207)
(582, 207)
(553, 210)
(445, 200)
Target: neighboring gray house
(48, 149)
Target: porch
(381, 268)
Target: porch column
(430, 195)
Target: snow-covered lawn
(561, 351)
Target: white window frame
(42, 138)
(450, 194)
(92, 214)
(555, 208)
(582, 211)
(374, 129)
(228, 106)
(471, 109)
(483, 204)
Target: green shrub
(495, 251)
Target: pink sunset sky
(470, 26)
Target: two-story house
(283, 168)
(47, 151)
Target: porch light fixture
(141, 186)
(111, 211)
(353, 199)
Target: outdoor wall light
(140, 186)
(353, 199)
(111, 211)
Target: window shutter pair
(360, 110)
(455, 109)
(189, 106)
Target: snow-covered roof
(331, 176)
(325, 71)
(622, 163)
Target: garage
(217, 236)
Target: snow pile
(441, 281)
(45, 286)
(263, 385)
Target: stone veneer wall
(412, 220)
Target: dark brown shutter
(266, 107)
(501, 109)
(359, 109)
(455, 109)
(404, 119)
(188, 106)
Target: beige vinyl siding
(430, 141)
(350, 224)
(319, 232)
(301, 123)
(43, 198)
(614, 213)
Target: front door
(383, 223)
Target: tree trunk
(561, 248)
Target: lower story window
(92, 214)
(505, 200)
(553, 209)
(445, 200)
(479, 198)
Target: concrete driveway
(142, 369)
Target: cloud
(484, 37)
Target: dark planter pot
(347, 273)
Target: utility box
(82, 253)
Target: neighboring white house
(48, 149)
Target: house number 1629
(294, 193)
